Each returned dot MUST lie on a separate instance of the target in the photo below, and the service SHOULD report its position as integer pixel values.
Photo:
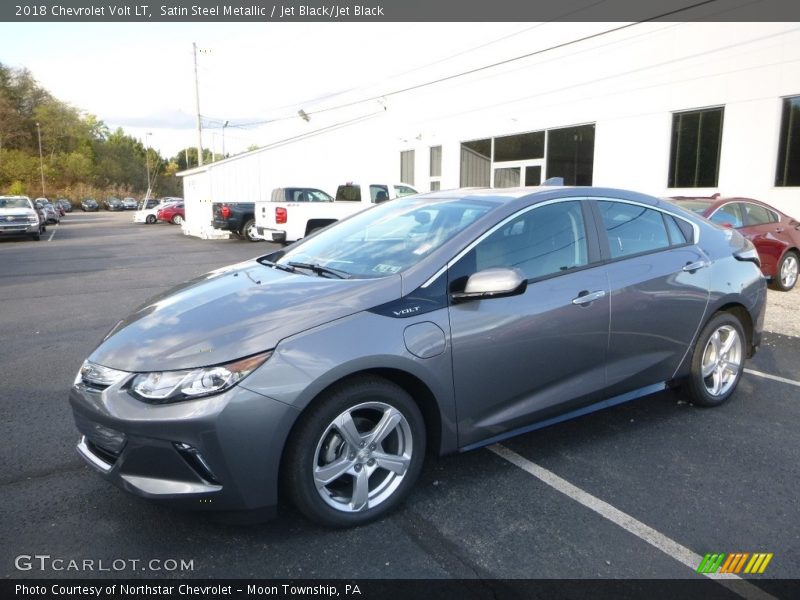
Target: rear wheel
(176, 220)
(718, 361)
(150, 219)
(249, 231)
(356, 454)
(786, 276)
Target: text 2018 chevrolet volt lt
(440, 322)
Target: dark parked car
(129, 203)
(89, 205)
(323, 370)
(65, 204)
(775, 235)
(173, 213)
(147, 203)
(236, 217)
(114, 204)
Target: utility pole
(224, 125)
(197, 102)
(41, 162)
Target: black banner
(399, 10)
(370, 589)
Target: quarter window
(633, 229)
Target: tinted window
(788, 168)
(404, 190)
(543, 241)
(378, 193)
(756, 215)
(570, 154)
(522, 146)
(676, 235)
(728, 214)
(695, 149)
(632, 229)
(349, 193)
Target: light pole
(224, 125)
(147, 161)
(41, 161)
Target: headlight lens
(173, 386)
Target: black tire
(720, 381)
(317, 441)
(150, 219)
(787, 272)
(176, 220)
(249, 232)
(36, 236)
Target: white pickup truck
(287, 222)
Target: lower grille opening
(196, 461)
(107, 455)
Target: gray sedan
(445, 321)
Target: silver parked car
(446, 321)
(18, 216)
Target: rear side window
(633, 229)
(757, 215)
(378, 193)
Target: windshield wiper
(268, 263)
(320, 270)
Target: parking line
(54, 232)
(644, 532)
(773, 377)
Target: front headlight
(33, 219)
(173, 386)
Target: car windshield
(696, 206)
(15, 203)
(389, 238)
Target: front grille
(12, 219)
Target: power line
(497, 64)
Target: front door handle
(586, 297)
(694, 266)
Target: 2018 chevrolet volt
(444, 321)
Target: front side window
(404, 190)
(633, 229)
(695, 149)
(540, 242)
(729, 215)
(378, 193)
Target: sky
(140, 76)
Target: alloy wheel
(722, 360)
(789, 270)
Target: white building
(663, 108)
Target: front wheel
(176, 220)
(150, 219)
(788, 268)
(718, 361)
(356, 453)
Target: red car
(776, 236)
(172, 212)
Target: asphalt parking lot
(687, 481)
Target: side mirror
(497, 282)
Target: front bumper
(218, 453)
(18, 228)
(273, 235)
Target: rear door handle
(694, 266)
(586, 297)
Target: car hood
(17, 212)
(231, 313)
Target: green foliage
(80, 156)
(17, 189)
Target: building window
(436, 186)
(436, 161)
(570, 154)
(523, 146)
(476, 163)
(788, 171)
(695, 150)
(407, 167)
